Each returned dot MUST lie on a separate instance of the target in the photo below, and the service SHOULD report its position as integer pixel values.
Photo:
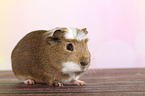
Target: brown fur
(39, 56)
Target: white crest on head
(74, 33)
(71, 33)
(70, 67)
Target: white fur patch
(73, 33)
(72, 77)
(70, 67)
(77, 77)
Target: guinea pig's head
(68, 46)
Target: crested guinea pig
(54, 56)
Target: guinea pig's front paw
(29, 82)
(57, 84)
(79, 82)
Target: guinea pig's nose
(83, 63)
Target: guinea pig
(54, 57)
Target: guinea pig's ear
(57, 36)
(85, 30)
(51, 40)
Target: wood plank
(102, 82)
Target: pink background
(116, 27)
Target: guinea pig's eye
(70, 47)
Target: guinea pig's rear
(24, 54)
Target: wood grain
(100, 82)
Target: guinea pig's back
(25, 53)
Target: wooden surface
(105, 82)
